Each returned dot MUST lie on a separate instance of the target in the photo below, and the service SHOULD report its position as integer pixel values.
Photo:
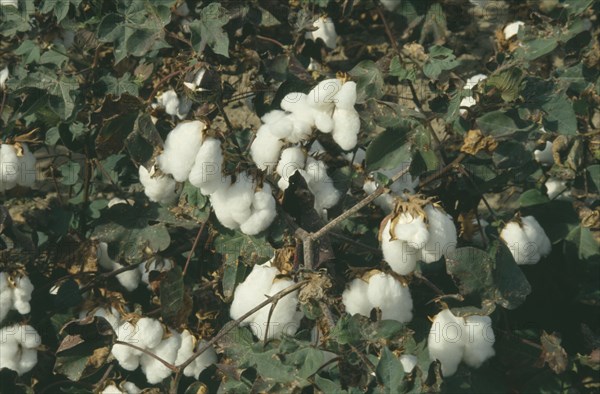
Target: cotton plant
(112, 316)
(123, 388)
(18, 348)
(324, 29)
(379, 290)
(15, 294)
(469, 100)
(512, 29)
(544, 156)
(401, 188)
(129, 279)
(17, 166)
(4, 74)
(453, 340)
(189, 344)
(158, 188)
(173, 105)
(526, 239)
(260, 284)
(557, 189)
(416, 230)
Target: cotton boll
(130, 387)
(155, 264)
(544, 156)
(22, 294)
(4, 72)
(6, 296)
(355, 298)
(206, 172)
(512, 29)
(263, 212)
(527, 242)
(345, 98)
(27, 361)
(18, 348)
(159, 189)
(186, 350)
(149, 332)
(112, 316)
(446, 341)
(442, 235)
(169, 101)
(293, 102)
(111, 389)
(9, 167)
(302, 123)
(27, 168)
(468, 102)
(385, 201)
(291, 160)
(411, 229)
(325, 31)
(474, 80)
(556, 188)
(323, 122)
(284, 320)
(126, 357)
(130, 279)
(250, 292)
(167, 350)
(278, 123)
(9, 349)
(323, 96)
(239, 197)
(265, 149)
(400, 256)
(480, 342)
(181, 147)
(536, 234)
(393, 299)
(346, 128)
(220, 203)
(408, 362)
(320, 184)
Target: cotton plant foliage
(526, 239)
(379, 290)
(453, 340)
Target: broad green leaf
(508, 82)
(535, 48)
(584, 241)
(118, 86)
(471, 270)
(440, 59)
(70, 173)
(500, 123)
(560, 115)
(208, 30)
(389, 149)
(511, 284)
(532, 197)
(390, 372)
(171, 294)
(29, 50)
(397, 70)
(369, 80)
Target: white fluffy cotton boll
(527, 241)
(149, 332)
(285, 319)
(446, 341)
(556, 188)
(385, 201)
(130, 279)
(112, 316)
(544, 157)
(156, 264)
(167, 350)
(263, 212)
(320, 184)
(169, 101)
(206, 172)
(220, 203)
(323, 96)
(355, 298)
(291, 160)
(186, 350)
(22, 294)
(6, 296)
(474, 80)
(160, 189)
(391, 297)
(278, 123)
(400, 256)
(325, 30)
(27, 168)
(302, 122)
(130, 387)
(181, 147)
(512, 29)
(468, 102)
(111, 389)
(265, 149)
(442, 235)
(346, 128)
(239, 198)
(250, 292)
(4, 74)
(408, 362)
(18, 348)
(411, 229)
(345, 98)
(480, 342)
(9, 167)
(323, 122)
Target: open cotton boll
(206, 171)
(130, 387)
(474, 80)
(285, 318)
(263, 212)
(325, 30)
(278, 123)
(393, 299)
(292, 102)
(346, 128)
(527, 241)
(18, 348)
(446, 341)
(556, 188)
(27, 168)
(160, 189)
(111, 389)
(173, 105)
(4, 73)
(442, 235)
(181, 147)
(302, 123)
(345, 98)
(265, 149)
(22, 294)
(167, 350)
(240, 196)
(323, 96)
(130, 279)
(155, 264)
(400, 256)
(113, 317)
(291, 160)
(6, 296)
(320, 185)
(149, 332)
(544, 156)
(411, 229)
(355, 298)
(9, 167)
(408, 362)
(323, 122)
(480, 342)
(187, 349)
(512, 29)
(250, 292)
(385, 201)
(220, 203)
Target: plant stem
(194, 245)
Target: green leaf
(560, 115)
(369, 80)
(440, 59)
(390, 372)
(171, 294)
(471, 270)
(593, 175)
(584, 242)
(347, 330)
(532, 197)
(536, 48)
(500, 123)
(70, 173)
(397, 70)
(389, 149)
(512, 287)
(208, 30)
(60, 8)
(508, 82)
(118, 86)
(29, 50)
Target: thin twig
(228, 327)
(443, 171)
(108, 275)
(194, 245)
(149, 353)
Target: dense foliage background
(82, 79)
